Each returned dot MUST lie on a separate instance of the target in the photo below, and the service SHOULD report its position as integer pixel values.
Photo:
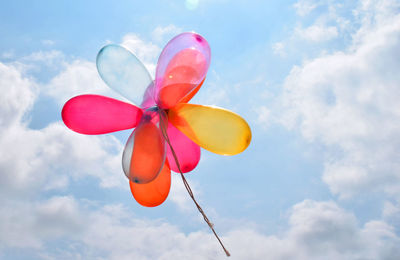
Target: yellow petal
(218, 130)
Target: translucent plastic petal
(189, 96)
(181, 67)
(187, 152)
(94, 114)
(123, 72)
(155, 192)
(145, 151)
(215, 129)
(148, 97)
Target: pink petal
(186, 150)
(95, 114)
(181, 67)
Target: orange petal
(155, 192)
(148, 153)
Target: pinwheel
(169, 131)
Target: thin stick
(189, 190)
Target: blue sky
(317, 81)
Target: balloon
(187, 152)
(215, 129)
(155, 192)
(94, 114)
(181, 67)
(145, 150)
(123, 72)
(169, 132)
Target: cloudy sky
(318, 81)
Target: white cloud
(56, 216)
(51, 61)
(179, 194)
(304, 7)
(322, 26)
(18, 95)
(317, 230)
(44, 56)
(8, 54)
(162, 34)
(29, 224)
(279, 49)
(264, 115)
(48, 42)
(317, 33)
(349, 102)
(391, 213)
(77, 78)
(49, 157)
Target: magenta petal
(95, 114)
(186, 150)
